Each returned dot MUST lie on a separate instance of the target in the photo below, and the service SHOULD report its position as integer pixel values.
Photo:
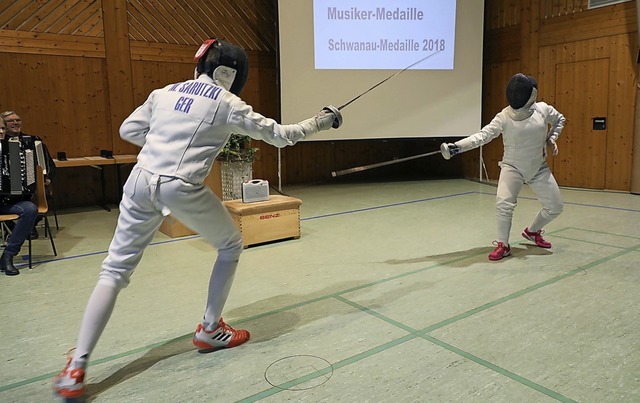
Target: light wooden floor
(388, 296)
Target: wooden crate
(174, 228)
(274, 219)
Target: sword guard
(337, 121)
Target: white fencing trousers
(543, 185)
(146, 199)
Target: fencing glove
(448, 150)
(329, 117)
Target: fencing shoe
(69, 383)
(536, 237)
(500, 251)
(223, 336)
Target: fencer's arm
(327, 118)
(258, 127)
(557, 122)
(485, 135)
(134, 129)
(551, 143)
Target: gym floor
(388, 296)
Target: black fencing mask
(225, 63)
(519, 90)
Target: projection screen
(331, 51)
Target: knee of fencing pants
(554, 210)
(115, 277)
(110, 279)
(232, 248)
(504, 208)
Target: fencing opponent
(527, 128)
(181, 129)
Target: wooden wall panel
(502, 13)
(62, 99)
(50, 44)
(502, 45)
(600, 22)
(620, 98)
(581, 158)
(619, 153)
(248, 23)
(118, 68)
(567, 33)
(66, 17)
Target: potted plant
(236, 162)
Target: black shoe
(34, 234)
(6, 265)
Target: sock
(504, 228)
(219, 287)
(96, 316)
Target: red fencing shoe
(223, 336)
(69, 383)
(536, 237)
(500, 251)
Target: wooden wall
(585, 63)
(74, 69)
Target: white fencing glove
(448, 150)
(329, 117)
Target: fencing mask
(519, 90)
(225, 63)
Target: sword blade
(389, 78)
(380, 164)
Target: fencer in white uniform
(527, 128)
(181, 128)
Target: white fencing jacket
(184, 126)
(524, 133)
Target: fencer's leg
(546, 188)
(509, 186)
(138, 222)
(96, 316)
(219, 287)
(199, 209)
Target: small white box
(255, 190)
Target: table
(98, 163)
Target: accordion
(19, 157)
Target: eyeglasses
(13, 121)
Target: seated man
(27, 213)
(13, 125)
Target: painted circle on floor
(298, 372)
(559, 268)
